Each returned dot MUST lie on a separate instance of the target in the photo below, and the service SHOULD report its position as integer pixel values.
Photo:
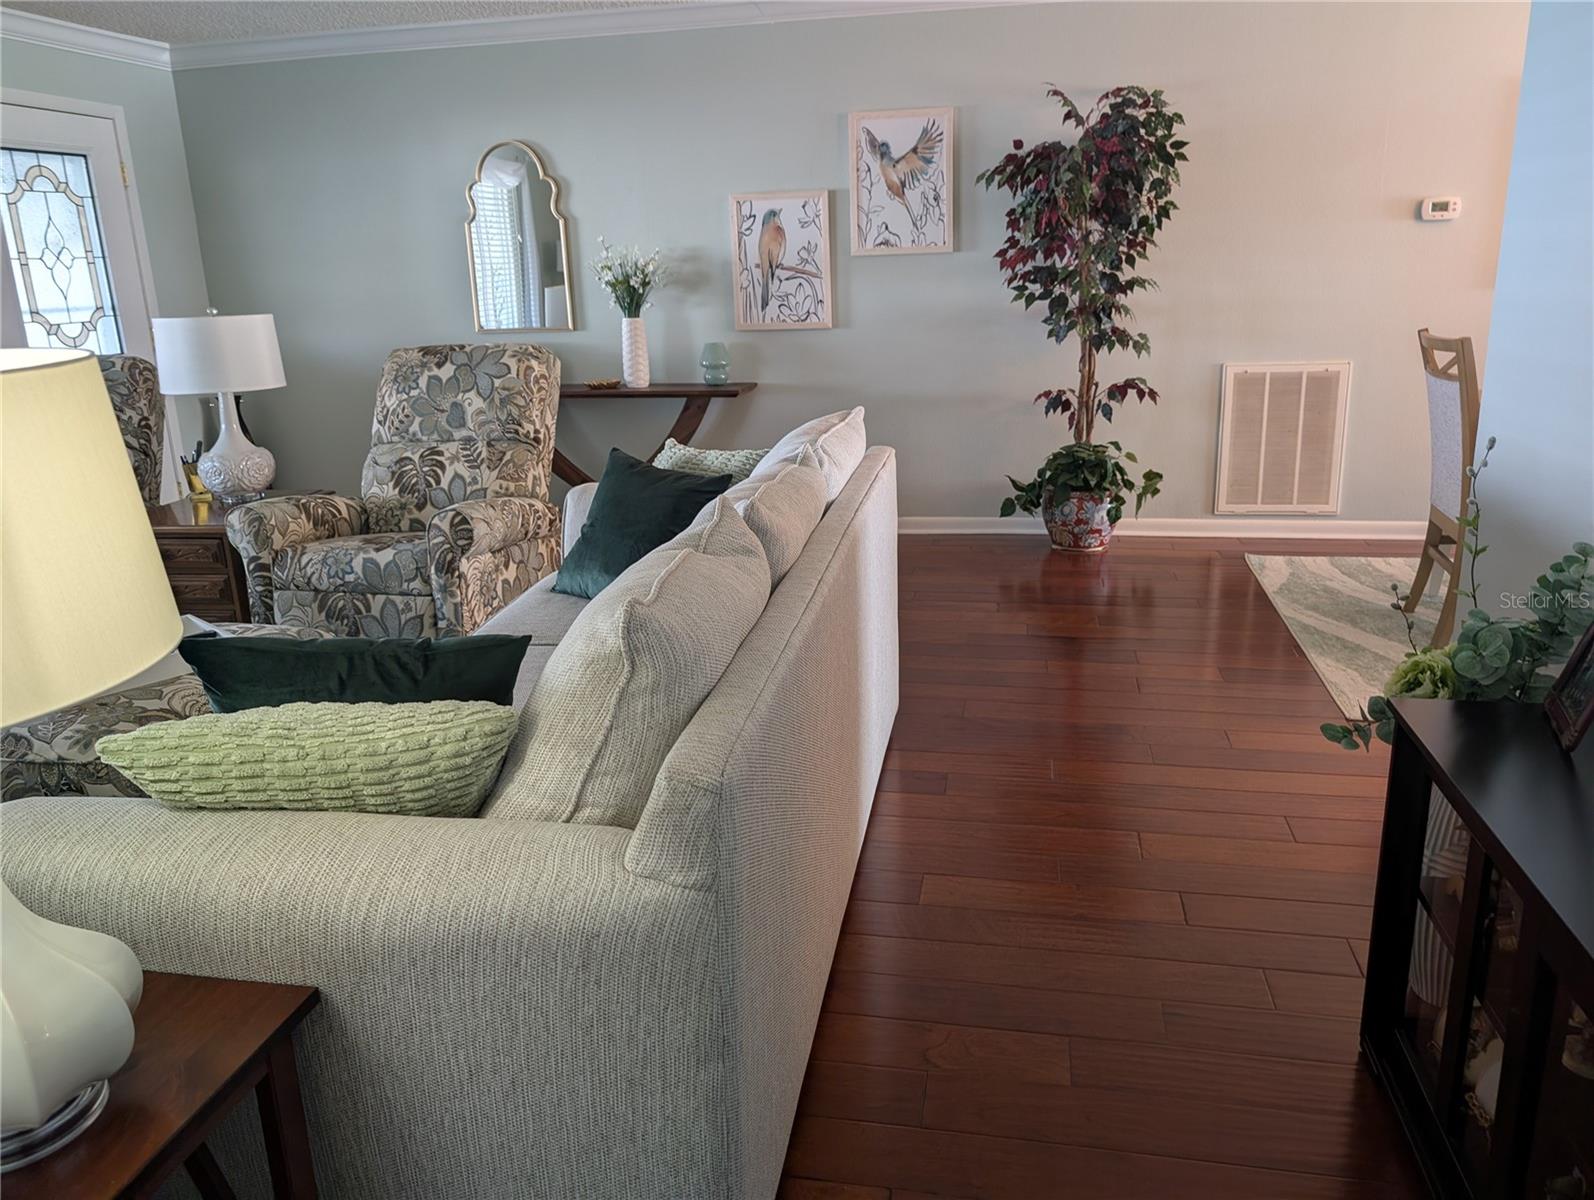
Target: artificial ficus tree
(1085, 215)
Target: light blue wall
(1538, 396)
(155, 142)
(331, 192)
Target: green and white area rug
(1338, 610)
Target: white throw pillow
(838, 441)
(630, 674)
(782, 509)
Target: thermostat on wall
(1441, 208)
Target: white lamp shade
(84, 600)
(202, 355)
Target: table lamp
(223, 356)
(84, 604)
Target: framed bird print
(781, 264)
(902, 181)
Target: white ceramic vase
(634, 370)
(67, 1018)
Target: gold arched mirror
(516, 244)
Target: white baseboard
(1206, 527)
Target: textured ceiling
(187, 22)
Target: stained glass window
(56, 251)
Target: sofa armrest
(578, 500)
(484, 553)
(260, 529)
(506, 977)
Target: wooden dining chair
(1454, 401)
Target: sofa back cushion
(782, 510)
(837, 441)
(631, 673)
(455, 423)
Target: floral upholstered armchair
(454, 521)
(141, 415)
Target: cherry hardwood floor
(1108, 930)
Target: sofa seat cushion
(837, 440)
(540, 613)
(630, 674)
(384, 564)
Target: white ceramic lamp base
(235, 469)
(66, 1026)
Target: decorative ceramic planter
(1077, 522)
(634, 353)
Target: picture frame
(782, 276)
(1570, 704)
(901, 162)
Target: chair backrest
(141, 413)
(1454, 401)
(457, 423)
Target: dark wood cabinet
(205, 572)
(1480, 975)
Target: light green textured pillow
(437, 759)
(738, 464)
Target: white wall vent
(1282, 439)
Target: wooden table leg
(692, 412)
(686, 424)
(206, 1173)
(567, 470)
(282, 1122)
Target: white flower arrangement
(628, 277)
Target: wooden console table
(694, 399)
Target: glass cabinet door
(1561, 1163)
(1440, 885)
(1477, 1105)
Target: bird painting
(902, 180)
(901, 173)
(780, 274)
(771, 249)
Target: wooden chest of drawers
(205, 572)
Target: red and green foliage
(1084, 217)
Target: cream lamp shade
(84, 600)
(199, 355)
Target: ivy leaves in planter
(1493, 658)
(1093, 468)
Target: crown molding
(549, 27)
(101, 43)
(712, 14)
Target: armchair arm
(511, 975)
(578, 502)
(484, 553)
(260, 529)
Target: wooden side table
(205, 572)
(694, 398)
(199, 1045)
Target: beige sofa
(524, 1008)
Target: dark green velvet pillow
(636, 508)
(257, 672)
